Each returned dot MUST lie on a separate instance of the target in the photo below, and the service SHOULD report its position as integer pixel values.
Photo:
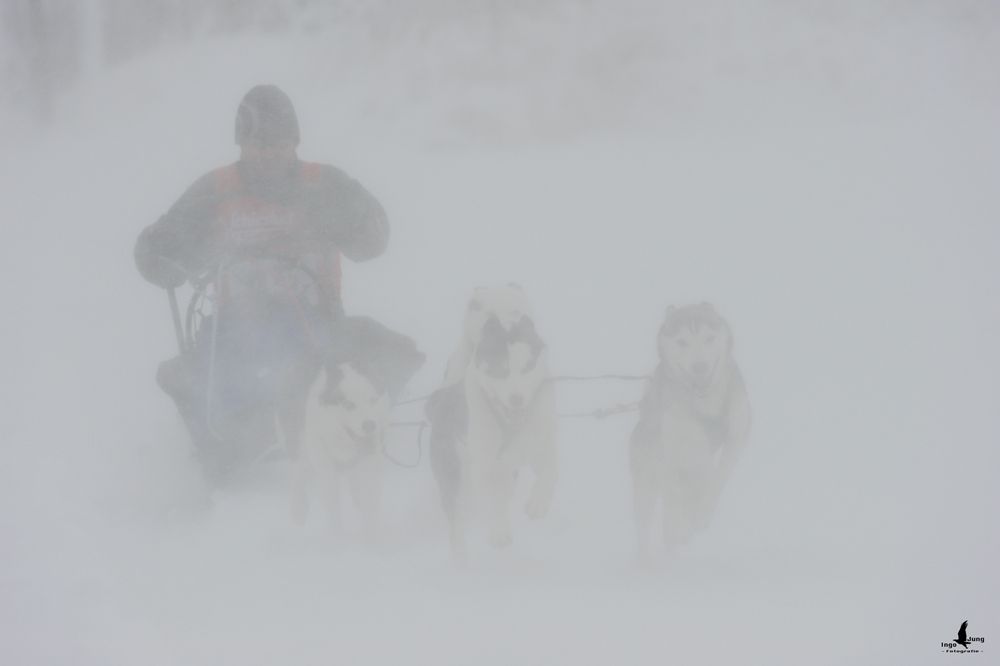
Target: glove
(156, 268)
(161, 271)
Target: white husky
(346, 415)
(497, 420)
(693, 426)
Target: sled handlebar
(175, 312)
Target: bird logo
(963, 638)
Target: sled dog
(694, 422)
(346, 417)
(498, 419)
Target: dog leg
(719, 473)
(724, 461)
(460, 510)
(456, 535)
(333, 492)
(678, 509)
(545, 468)
(299, 497)
(501, 489)
(487, 479)
(455, 500)
(644, 504)
(291, 413)
(703, 487)
(707, 500)
(365, 484)
(648, 475)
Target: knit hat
(266, 115)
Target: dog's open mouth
(703, 381)
(701, 384)
(366, 440)
(514, 415)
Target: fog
(823, 173)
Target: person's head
(267, 130)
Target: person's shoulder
(319, 173)
(209, 188)
(224, 178)
(219, 180)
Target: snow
(845, 226)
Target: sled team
(268, 355)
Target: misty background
(825, 173)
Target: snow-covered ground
(846, 226)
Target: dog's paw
(678, 536)
(536, 508)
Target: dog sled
(252, 336)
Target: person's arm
(351, 217)
(174, 247)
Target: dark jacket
(310, 216)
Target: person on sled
(261, 241)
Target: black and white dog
(346, 417)
(498, 419)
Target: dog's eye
(348, 405)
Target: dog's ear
(711, 316)
(331, 397)
(524, 331)
(373, 371)
(491, 354)
(347, 340)
(493, 332)
(669, 328)
(728, 332)
(669, 325)
(330, 393)
(334, 373)
(492, 340)
(400, 365)
(389, 359)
